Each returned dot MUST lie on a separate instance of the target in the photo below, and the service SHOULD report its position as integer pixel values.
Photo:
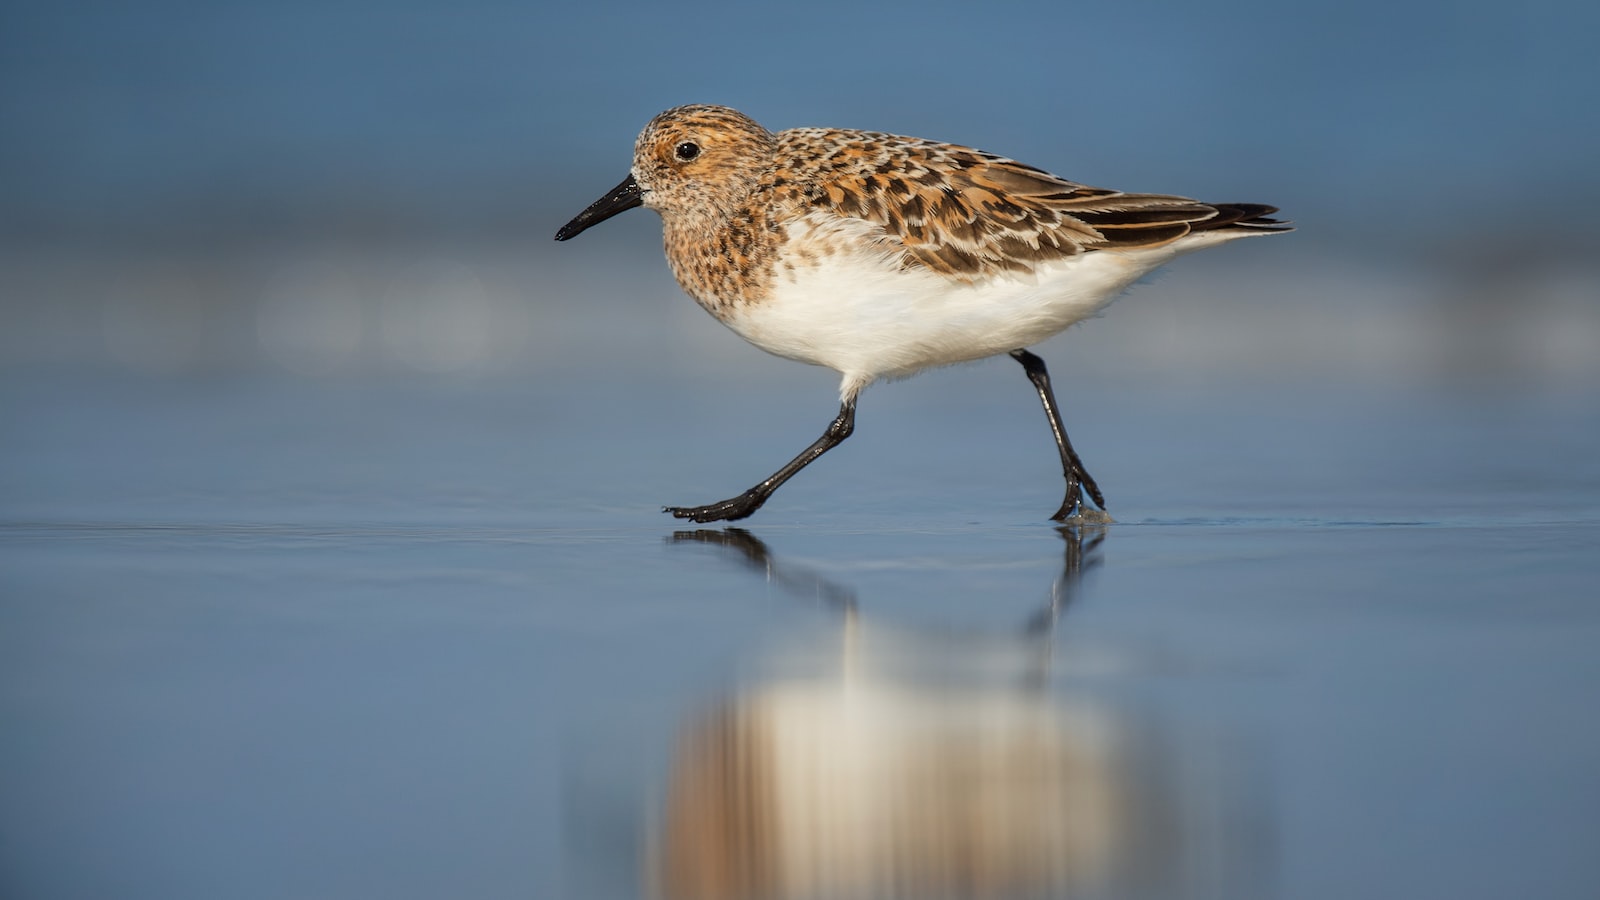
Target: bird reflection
(905, 767)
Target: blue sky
(125, 117)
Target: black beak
(622, 198)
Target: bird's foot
(1074, 511)
(727, 511)
(1084, 515)
(1069, 507)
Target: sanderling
(879, 256)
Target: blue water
(270, 637)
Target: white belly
(867, 320)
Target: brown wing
(970, 214)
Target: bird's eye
(687, 150)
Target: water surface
(266, 637)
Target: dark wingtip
(1245, 216)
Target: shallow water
(268, 637)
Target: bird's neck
(724, 261)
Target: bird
(878, 256)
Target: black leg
(751, 500)
(1078, 479)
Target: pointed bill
(621, 198)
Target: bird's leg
(751, 500)
(1078, 479)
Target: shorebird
(879, 256)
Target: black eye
(687, 150)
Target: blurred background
(331, 561)
(324, 189)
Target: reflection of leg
(754, 548)
(1080, 556)
(1078, 479)
(798, 580)
(751, 500)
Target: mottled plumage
(879, 255)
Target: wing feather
(970, 214)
